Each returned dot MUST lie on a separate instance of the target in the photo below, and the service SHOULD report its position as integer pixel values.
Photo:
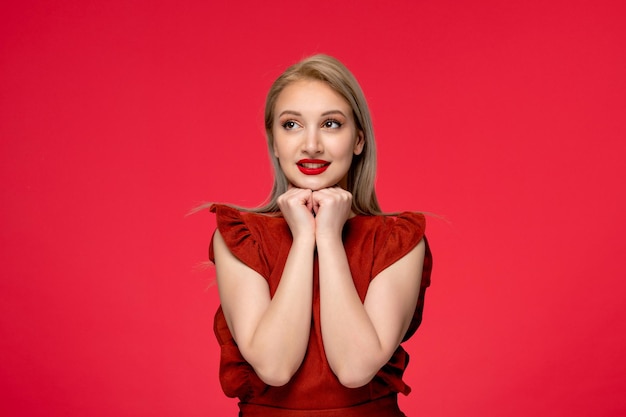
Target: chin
(312, 187)
(316, 184)
(316, 187)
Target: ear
(360, 142)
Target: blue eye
(332, 124)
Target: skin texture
(315, 123)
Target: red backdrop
(504, 118)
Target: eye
(332, 124)
(289, 125)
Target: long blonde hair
(362, 173)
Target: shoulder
(250, 237)
(405, 225)
(395, 236)
(232, 220)
(407, 220)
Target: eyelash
(286, 124)
(337, 122)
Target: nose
(312, 142)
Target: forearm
(278, 344)
(352, 345)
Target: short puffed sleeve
(403, 233)
(239, 233)
(400, 234)
(239, 238)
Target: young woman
(318, 288)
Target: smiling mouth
(312, 166)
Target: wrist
(330, 237)
(304, 240)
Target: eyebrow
(326, 113)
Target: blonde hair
(362, 173)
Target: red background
(504, 118)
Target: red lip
(319, 166)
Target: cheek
(278, 146)
(282, 153)
(346, 149)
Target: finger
(316, 207)
(309, 200)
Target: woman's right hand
(296, 205)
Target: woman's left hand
(332, 207)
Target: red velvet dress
(372, 243)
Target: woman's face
(315, 135)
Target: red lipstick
(312, 166)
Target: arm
(359, 338)
(272, 333)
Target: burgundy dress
(372, 243)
